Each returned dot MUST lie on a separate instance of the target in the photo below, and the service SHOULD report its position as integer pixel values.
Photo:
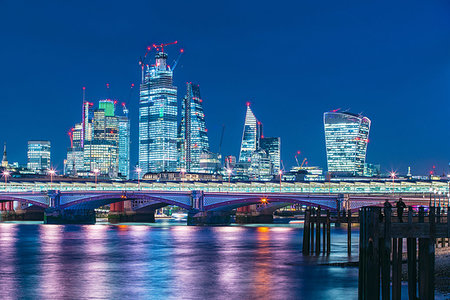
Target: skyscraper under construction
(158, 118)
(193, 138)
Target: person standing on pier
(400, 207)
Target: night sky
(293, 60)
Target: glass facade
(124, 145)
(158, 119)
(272, 146)
(38, 156)
(193, 138)
(346, 137)
(250, 136)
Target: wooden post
(369, 267)
(411, 245)
(328, 232)
(318, 231)
(422, 258)
(324, 235)
(385, 253)
(311, 245)
(306, 227)
(349, 232)
(395, 277)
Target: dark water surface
(166, 261)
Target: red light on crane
(248, 103)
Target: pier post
(311, 245)
(349, 232)
(318, 231)
(411, 245)
(385, 252)
(306, 228)
(328, 232)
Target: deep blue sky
(292, 60)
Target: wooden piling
(328, 232)
(349, 232)
(411, 245)
(311, 245)
(385, 252)
(318, 231)
(306, 228)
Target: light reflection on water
(168, 262)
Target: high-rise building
(5, 158)
(74, 164)
(158, 119)
(124, 144)
(346, 137)
(38, 156)
(261, 167)
(250, 137)
(193, 138)
(272, 146)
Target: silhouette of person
(400, 207)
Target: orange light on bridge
(264, 200)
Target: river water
(169, 260)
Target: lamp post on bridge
(182, 171)
(51, 172)
(229, 172)
(393, 174)
(96, 171)
(6, 174)
(434, 199)
(138, 171)
(431, 192)
(280, 173)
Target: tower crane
(296, 159)
(303, 162)
(161, 46)
(142, 62)
(175, 62)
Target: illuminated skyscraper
(193, 138)
(346, 137)
(250, 137)
(124, 144)
(272, 146)
(158, 119)
(38, 156)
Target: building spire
(5, 159)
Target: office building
(272, 146)
(124, 144)
(346, 137)
(193, 138)
(39, 156)
(250, 136)
(158, 118)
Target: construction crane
(303, 162)
(161, 46)
(221, 138)
(296, 159)
(175, 62)
(142, 62)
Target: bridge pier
(122, 212)
(249, 215)
(208, 218)
(69, 216)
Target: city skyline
(417, 105)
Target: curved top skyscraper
(158, 119)
(250, 136)
(346, 137)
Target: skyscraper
(250, 137)
(124, 143)
(38, 156)
(346, 137)
(272, 146)
(193, 138)
(158, 119)
(5, 158)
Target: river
(169, 260)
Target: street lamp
(96, 171)
(138, 171)
(431, 192)
(51, 172)
(280, 174)
(182, 171)
(229, 172)
(6, 174)
(435, 192)
(392, 175)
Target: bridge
(207, 202)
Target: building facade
(124, 144)
(39, 156)
(193, 137)
(272, 146)
(158, 119)
(346, 137)
(251, 136)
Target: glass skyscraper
(193, 138)
(250, 137)
(158, 119)
(124, 144)
(346, 137)
(38, 156)
(272, 146)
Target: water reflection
(169, 262)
